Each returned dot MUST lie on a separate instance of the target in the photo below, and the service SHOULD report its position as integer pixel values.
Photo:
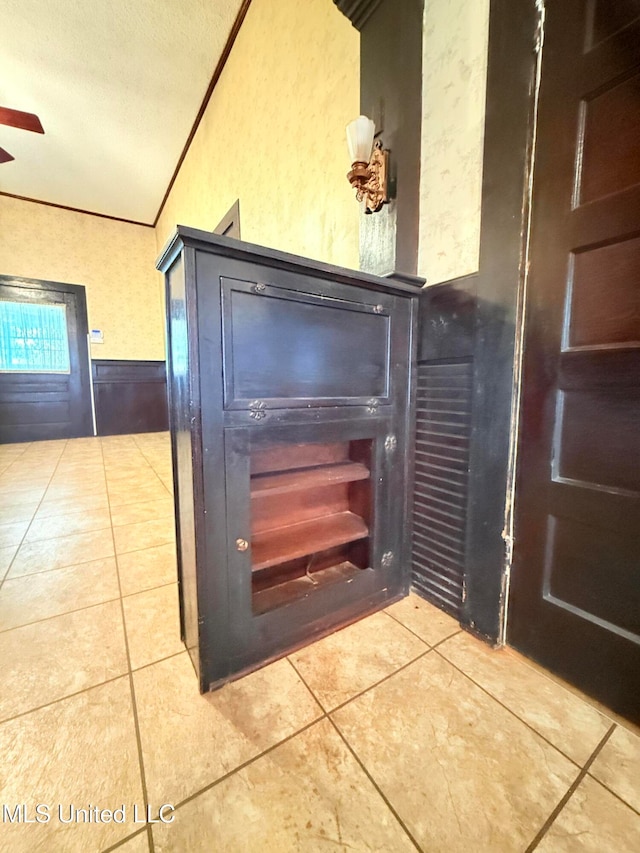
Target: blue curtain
(33, 337)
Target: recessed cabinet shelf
(306, 538)
(310, 508)
(289, 387)
(302, 587)
(291, 481)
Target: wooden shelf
(308, 537)
(307, 478)
(297, 588)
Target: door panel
(575, 587)
(605, 315)
(48, 405)
(610, 126)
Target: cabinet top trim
(230, 248)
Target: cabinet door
(293, 348)
(309, 539)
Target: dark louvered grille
(441, 480)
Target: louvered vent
(441, 480)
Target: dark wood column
(391, 94)
(505, 200)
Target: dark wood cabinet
(290, 393)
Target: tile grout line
(86, 607)
(383, 796)
(327, 715)
(17, 459)
(61, 699)
(176, 654)
(209, 786)
(558, 681)
(57, 615)
(444, 639)
(182, 651)
(324, 715)
(91, 687)
(92, 529)
(381, 681)
(125, 840)
(132, 690)
(569, 793)
(70, 566)
(147, 588)
(55, 468)
(146, 459)
(84, 562)
(400, 622)
(22, 452)
(64, 515)
(509, 710)
(304, 681)
(168, 516)
(610, 790)
(33, 518)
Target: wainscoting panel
(130, 396)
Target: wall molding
(235, 29)
(358, 11)
(76, 210)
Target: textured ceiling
(117, 85)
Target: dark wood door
(575, 586)
(49, 403)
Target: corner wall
(273, 136)
(114, 260)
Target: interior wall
(455, 42)
(273, 136)
(114, 260)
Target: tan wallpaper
(454, 86)
(115, 261)
(273, 135)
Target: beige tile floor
(398, 733)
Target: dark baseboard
(130, 396)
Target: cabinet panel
(291, 347)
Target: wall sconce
(369, 164)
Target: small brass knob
(242, 544)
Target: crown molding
(358, 11)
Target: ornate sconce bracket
(370, 179)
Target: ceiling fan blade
(5, 157)
(16, 118)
